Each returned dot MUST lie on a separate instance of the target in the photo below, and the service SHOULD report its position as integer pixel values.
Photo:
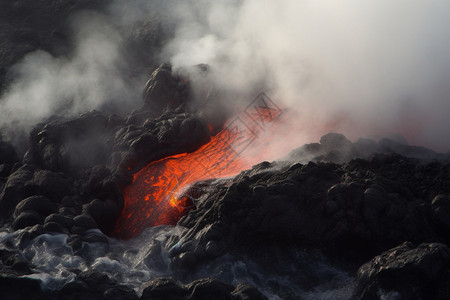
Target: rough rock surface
(357, 209)
(407, 272)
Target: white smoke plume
(88, 78)
(363, 68)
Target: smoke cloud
(94, 75)
(368, 68)
(364, 68)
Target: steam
(92, 77)
(366, 68)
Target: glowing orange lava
(153, 196)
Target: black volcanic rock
(162, 89)
(354, 210)
(25, 219)
(84, 221)
(72, 177)
(53, 185)
(40, 204)
(18, 186)
(440, 207)
(7, 153)
(172, 133)
(104, 213)
(64, 221)
(29, 180)
(407, 272)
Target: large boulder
(19, 185)
(406, 272)
(39, 204)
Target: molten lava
(155, 195)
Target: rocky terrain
(378, 212)
(382, 206)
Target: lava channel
(155, 196)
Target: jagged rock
(406, 272)
(164, 89)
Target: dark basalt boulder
(26, 219)
(406, 272)
(29, 180)
(18, 186)
(40, 204)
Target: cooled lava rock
(353, 211)
(407, 272)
